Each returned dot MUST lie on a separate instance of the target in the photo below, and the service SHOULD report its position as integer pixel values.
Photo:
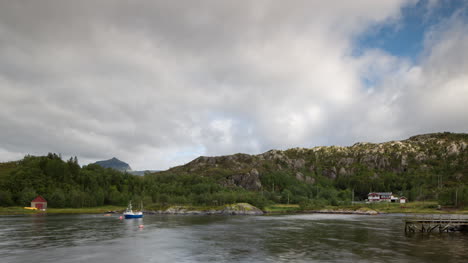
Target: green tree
(6, 198)
(57, 199)
(26, 196)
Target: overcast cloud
(158, 83)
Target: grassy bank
(16, 210)
(159, 207)
(282, 209)
(412, 207)
(428, 207)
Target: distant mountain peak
(115, 163)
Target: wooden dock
(433, 225)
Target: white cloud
(158, 84)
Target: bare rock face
(421, 157)
(249, 181)
(342, 172)
(455, 149)
(312, 168)
(309, 180)
(299, 164)
(463, 146)
(404, 160)
(273, 155)
(300, 177)
(241, 209)
(304, 178)
(330, 173)
(346, 161)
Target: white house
(385, 197)
(380, 197)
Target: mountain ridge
(426, 154)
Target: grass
(428, 207)
(86, 210)
(16, 210)
(282, 208)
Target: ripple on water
(285, 238)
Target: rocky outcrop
(346, 211)
(241, 209)
(330, 173)
(249, 181)
(232, 209)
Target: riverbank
(16, 210)
(231, 209)
(247, 209)
(296, 209)
(369, 209)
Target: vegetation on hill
(424, 167)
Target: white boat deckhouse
(384, 197)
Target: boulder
(241, 209)
(299, 164)
(330, 173)
(300, 176)
(342, 172)
(309, 180)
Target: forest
(63, 183)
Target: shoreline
(246, 209)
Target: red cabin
(39, 202)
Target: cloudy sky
(158, 83)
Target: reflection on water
(297, 238)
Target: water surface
(288, 238)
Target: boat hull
(133, 216)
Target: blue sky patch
(405, 38)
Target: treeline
(66, 184)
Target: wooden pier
(433, 225)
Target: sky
(159, 83)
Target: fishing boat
(130, 214)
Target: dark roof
(39, 199)
(381, 193)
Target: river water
(164, 238)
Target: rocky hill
(115, 164)
(441, 157)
